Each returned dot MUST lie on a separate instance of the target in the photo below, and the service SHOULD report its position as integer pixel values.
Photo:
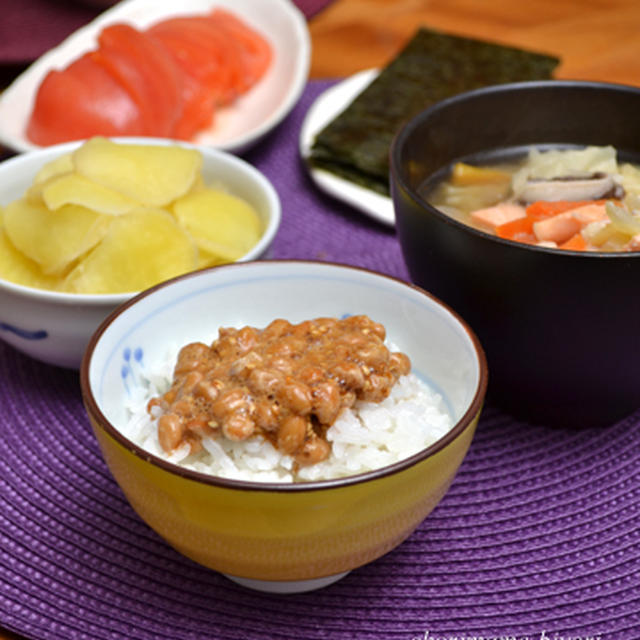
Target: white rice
(367, 437)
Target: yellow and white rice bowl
(240, 507)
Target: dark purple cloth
(28, 28)
(315, 225)
(538, 537)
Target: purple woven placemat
(538, 537)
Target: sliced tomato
(199, 109)
(81, 101)
(165, 81)
(256, 50)
(205, 52)
(147, 71)
(200, 96)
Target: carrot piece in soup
(520, 229)
(558, 228)
(545, 209)
(592, 212)
(493, 217)
(81, 101)
(575, 243)
(561, 227)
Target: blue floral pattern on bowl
(39, 334)
(132, 367)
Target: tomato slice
(81, 101)
(211, 64)
(165, 81)
(221, 58)
(256, 51)
(147, 71)
(204, 52)
(198, 111)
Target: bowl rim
(405, 131)
(96, 299)
(465, 421)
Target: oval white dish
(236, 127)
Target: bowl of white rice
(247, 507)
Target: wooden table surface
(595, 39)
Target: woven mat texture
(538, 538)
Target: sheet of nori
(432, 66)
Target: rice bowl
(278, 535)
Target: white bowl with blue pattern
(55, 327)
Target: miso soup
(578, 199)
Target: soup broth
(570, 198)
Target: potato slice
(141, 249)
(207, 259)
(53, 239)
(72, 188)
(58, 166)
(221, 224)
(151, 174)
(198, 184)
(17, 268)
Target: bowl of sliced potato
(86, 225)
